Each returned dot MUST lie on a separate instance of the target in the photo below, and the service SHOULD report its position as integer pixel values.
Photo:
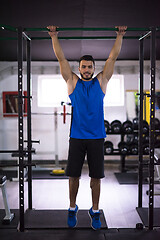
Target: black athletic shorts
(94, 149)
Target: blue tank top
(87, 110)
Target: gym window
(52, 90)
(115, 92)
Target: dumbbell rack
(116, 152)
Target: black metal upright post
(29, 126)
(20, 128)
(140, 128)
(152, 127)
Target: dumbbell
(107, 126)
(108, 147)
(157, 124)
(127, 127)
(139, 226)
(145, 125)
(123, 147)
(132, 141)
(135, 138)
(145, 139)
(133, 148)
(116, 126)
(135, 123)
(146, 148)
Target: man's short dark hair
(87, 58)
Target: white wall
(43, 126)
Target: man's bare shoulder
(71, 83)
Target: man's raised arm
(70, 77)
(64, 65)
(107, 72)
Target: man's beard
(86, 78)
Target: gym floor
(118, 201)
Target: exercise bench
(9, 216)
(157, 166)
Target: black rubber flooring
(46, 174)
(143, 213)
(49, 219)
(74, 234)
(129, 178)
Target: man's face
(86, 69)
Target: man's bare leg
(73, 190)
(95, 187)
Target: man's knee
(73, 180)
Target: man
(87, 126)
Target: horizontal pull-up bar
(84, 29)
(8, 38)
(7, 27)
(85, 38)
(10, 28)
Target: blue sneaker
(95, 219)
(72, 217)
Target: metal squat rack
(21, 34)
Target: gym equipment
(146, 148)
(57, 170)
(152, 33)
(116, 126)
(132, 142)
(64, 110)
(76, 29)
(9, 216)
(145, 139)
(157, 162)
(108, 147)
(135, 138)
(123, 147)
(135, 123)
(157, 169)
(133, 147)
(157, 124)
(145, 125)
(127, 127)
(145, 144)
(139, 226)
(107, 126)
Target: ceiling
(81, 13)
